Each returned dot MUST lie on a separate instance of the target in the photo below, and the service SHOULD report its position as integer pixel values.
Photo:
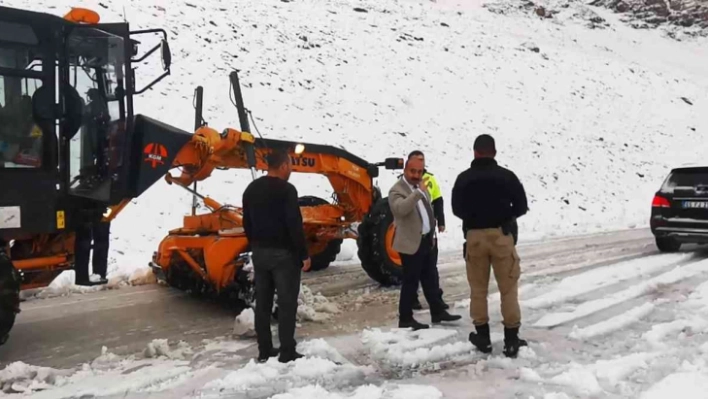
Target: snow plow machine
(70, 145)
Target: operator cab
(66, 110)
(96, 103)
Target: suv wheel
(667, 244)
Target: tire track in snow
(542, 258)
(612, 324)
(591, 307)
(531, 285)
(592, 280)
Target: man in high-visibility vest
(438, 211)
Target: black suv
(679, 211)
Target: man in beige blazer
(413, 240)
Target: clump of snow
(320, 348)
(106, 359)
(462, 304)
(161, 348)
(406, 349)
(244, 323)
(142, 276)
(314, 307)
(20, 377)
(347, 252)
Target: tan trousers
(485, 248)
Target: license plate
(695, 204)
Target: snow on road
(644, 345)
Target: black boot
(263, 356)
(445, 316)
(412, 323)
(481, 339)
(289, 356)
(512, 342)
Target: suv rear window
(685, 178)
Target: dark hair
(484, 144)
(416, 153)
(277, 158)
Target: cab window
(20, 138)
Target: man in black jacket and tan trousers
(413, 240)
(488, 198)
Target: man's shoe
(263, 357)
(289, 356)
(444, 316)
(512, 342)
(481, 339)
(412, 324)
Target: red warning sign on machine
(155, 154)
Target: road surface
(64, 332)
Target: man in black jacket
(488, 198)
(273, 224)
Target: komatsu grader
(70, 141)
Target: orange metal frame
(217, 237)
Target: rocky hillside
(678, 18)
(692, 14)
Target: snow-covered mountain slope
(590, 119)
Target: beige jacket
(409, 225)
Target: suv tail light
(660, 202)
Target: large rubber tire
(322, 260)
(378, 259)
(9, 296)
(667, 244)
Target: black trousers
(99, 232)
(435, 269)
(420, 268)
(276, 270)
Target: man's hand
(441, 228)
(306, 264)
(423, 187)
